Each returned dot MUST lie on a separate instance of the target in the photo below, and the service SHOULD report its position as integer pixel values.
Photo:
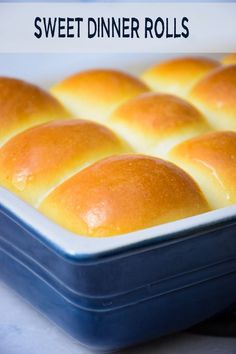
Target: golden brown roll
(178, 75)
(93, 94)
(215, 96)
(122, 194)
(211, 160)
(39, 158)
(153, 123)
(23, 105)
(229, 59)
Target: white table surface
(23, 330)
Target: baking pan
(110, 293)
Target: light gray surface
(25, 331)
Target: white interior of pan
(44, 70)
(76, 245)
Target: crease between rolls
(110, 174)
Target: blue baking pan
(110, 293)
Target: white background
(212, 27)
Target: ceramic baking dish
(111, 293)
(114, 292)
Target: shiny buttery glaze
(23, 105)
(93, 94)
(178, 75)
(154, 122)
(122, 194)
(216, 96)
(37, 159)
(211, 160)
(89, 178)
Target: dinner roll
(211, 160)
(178, 75)
(36, 160)
(122, 194)
(23, 105)
(153, 123)
(229, 59)
(93, 94)
(215, 96)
